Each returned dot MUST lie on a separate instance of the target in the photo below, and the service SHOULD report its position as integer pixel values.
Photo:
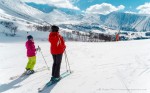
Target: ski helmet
(54, 28)
(29, 37)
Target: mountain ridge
(74, 20)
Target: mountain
(47, 8)
(18, 9)
(77, 20)
(56, 15)
(127, 22)
(42, 7)
(23, 13)
(114, 21)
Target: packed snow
(104, 67)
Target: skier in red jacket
(117, 37)
(57, 48)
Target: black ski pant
(56, 65)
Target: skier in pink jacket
(31, 54)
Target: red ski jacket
(30, 48)
(117, 37)
(57, 43)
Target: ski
(24, 73)
(50, 83)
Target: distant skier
(57, 48)
(31, 54)
(117, 37)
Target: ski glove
(38, 49)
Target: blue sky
(101, 6)
(130, 5)
(134, 6)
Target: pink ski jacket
(30, 48)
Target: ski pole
(43, 57)
(66, 64)
(67, 61)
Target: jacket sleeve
(49, 39)
(63, 42)
(33, 47)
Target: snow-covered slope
(19, 9)
(115, 67)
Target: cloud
(144, 9)
(57, 3)
(64, 4)
(103, 8)
(36, 1)
(130, 12)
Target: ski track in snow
(111, 67)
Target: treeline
(87, 36)
(78, 35)
(11, 26)
(42, 28)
